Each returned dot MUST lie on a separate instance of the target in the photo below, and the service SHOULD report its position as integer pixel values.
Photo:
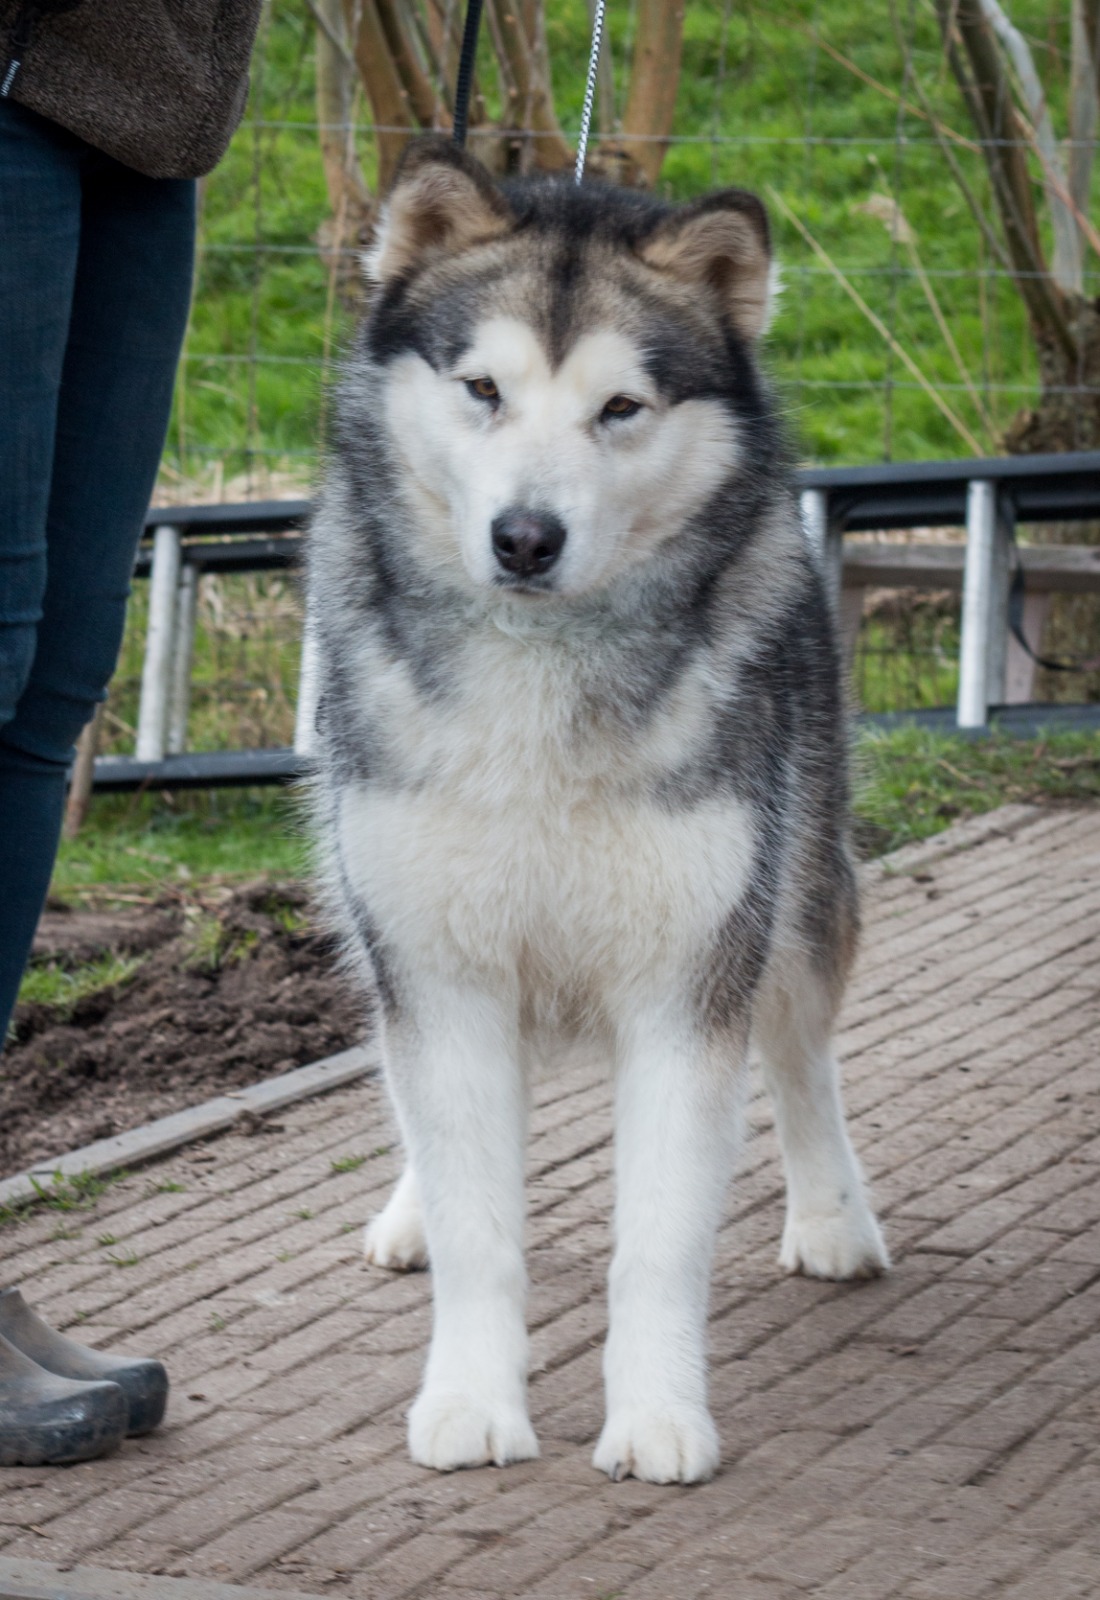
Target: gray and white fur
(582, 767)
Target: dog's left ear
(441, 201)
(721, 242)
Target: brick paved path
(935, 1435)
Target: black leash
(465, 76)
(1016, 591)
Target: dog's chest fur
(520, 822)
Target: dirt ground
(222, 991)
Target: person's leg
(39, 240)
(129, 312)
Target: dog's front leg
(453, 1069)
(676, 1130)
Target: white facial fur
(620, 486)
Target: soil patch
(205, 994)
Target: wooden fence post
(83, 775)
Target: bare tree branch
(1068, 258)
(977, 210)
(877, 323)
(524, 71)
(988, 95)
(1084, 98)
(387, 94)
(424, 101)
(348, 195)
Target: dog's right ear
(442, 201)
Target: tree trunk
(416, 84)
(524, 68)
(1068, 414)
(406, 54)
(654, 81)
(975, 60)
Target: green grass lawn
(909, 783)
(762, 104)
(152, 844)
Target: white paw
(663, 1445)
(844, 1243)
(448, 1430)
(395, 1239)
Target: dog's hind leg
(453, 1069)
(677, 1117)
(830, 1230)
(395, 1237)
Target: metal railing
(987, 497)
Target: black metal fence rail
(987, 497)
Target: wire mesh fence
(904, 330)
(244, 678)
(901, 334)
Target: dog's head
(566, 373)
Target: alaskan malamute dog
(582, 767)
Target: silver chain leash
(589, 90)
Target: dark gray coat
(158, 84)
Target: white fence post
(998, 621)
(309, 689)
(982, 648)
(179, 698)
(815, 518)
(826, 546)
(156, 672)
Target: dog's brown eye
(483, 389)
(620, 405)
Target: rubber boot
(144, 1383)
(50, 1421)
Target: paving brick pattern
(934, 1435)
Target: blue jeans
(95, 284)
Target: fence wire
(899, 334)
(842, 115)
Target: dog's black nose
(527, 542)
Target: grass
(76, 1192)
(762, 102)
(212, 945)
(149, 844)
(62, 990)
(911, 783)
(126, 1258)
(908, 655)
(244, 677)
